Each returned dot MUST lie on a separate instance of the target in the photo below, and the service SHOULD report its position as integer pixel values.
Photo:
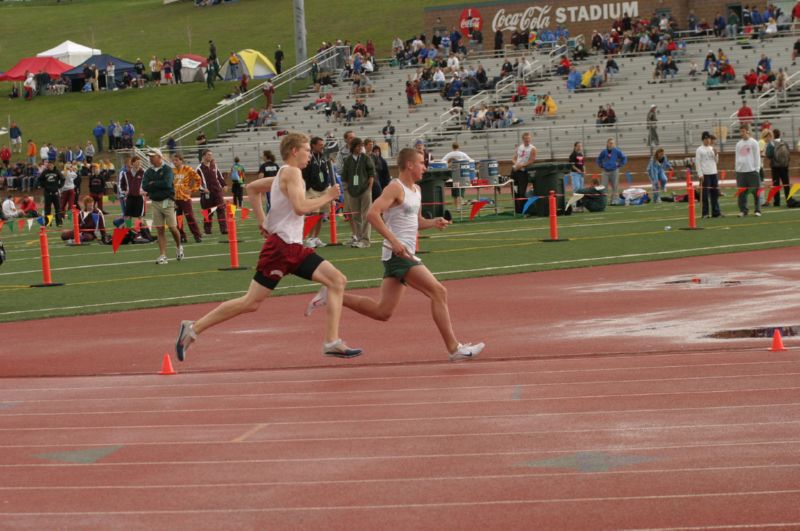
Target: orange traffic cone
(166, 366)
(777, 342)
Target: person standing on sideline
(68, 196)
(51, 181)
(778, 153)
(748, 166)
(396, 215)
(97, 185)
(318, 177)
(186, 183)
(456, 156)
(705, 163)
(577, 160)
(278, 60)
(652, 128)
(283, 252)
(388, 136)
(657, 171)
(524, 156)
(237, 182)
(158, 183)
(99, 132)
(15, 134)
(358, 174)
(610, 161)
(212, 188)
(130, 190)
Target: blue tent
(101, 62)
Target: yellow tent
(251, 62)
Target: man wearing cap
(748, 167)
(652, 130)
(524, 156)
(51, 180)
(705, 161)
(212, 190)
(158, 183)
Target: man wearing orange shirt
(186, 183)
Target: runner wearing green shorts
(396, 216)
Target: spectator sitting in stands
(481, 77)
(693, 70)
(745, 114)
(540, 107)
(600, 117)
(564, 66)
(764, 64)
(611, 68)
(670, 68)
(269, 118)
(438, 81)
(252, 118)
(580, 52)
(358, 111)
(611, 115)
(550, 105)
(320, 103)
(764, 81)
(573, 80)
(727, 73)
(710, 59)
(522, 92)
(750, 82)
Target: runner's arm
(390, 197)
(295, 192)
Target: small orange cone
(777, 342)
(166, 366)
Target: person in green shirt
(733, 24)
(237, 180)
(158, 183)
(358, 174)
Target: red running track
(673, 430)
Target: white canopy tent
(70, 52)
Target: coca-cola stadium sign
(540, 17)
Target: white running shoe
(319, 300)
(309, 243)
(162, 260)
(468, 351)
(319, 243)
(186, 337)
(180, 253)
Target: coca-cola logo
(530, 19)
(471, 20)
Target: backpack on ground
(781, 156)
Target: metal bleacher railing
(225, 116)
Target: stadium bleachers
(686, 108)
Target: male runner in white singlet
(283, 252)
(396, 215)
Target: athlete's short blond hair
(292, 141)
(405, 156)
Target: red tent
(52, 66)
(194, 57)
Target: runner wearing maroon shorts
(283, 252)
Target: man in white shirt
(748, 166)
(457, 156)
(10, 209)
(438, 78)
(524, 156)
(452, 63)
(705, 162)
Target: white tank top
(282, 219)
(403, 221)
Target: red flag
(245, 213)
(671, 174)
(722, 174)
(2, 223)
(476, 207)
(772, 191)
(740, 191)
(21, 224)
(205, 215)
(309, 224)
(760, 189)
(180, 221)
(117, 237)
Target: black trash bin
(432, 187)
(547, 176)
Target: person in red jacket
(745, 114)
(750, 82)
(726, 72)
(5, 156)
(212, 190)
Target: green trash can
(547, 176)
(432, 187)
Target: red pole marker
(692, 211)
(45, 251)
(233, 243)
(553, 220)
(332, 221)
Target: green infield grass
(96, 280)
